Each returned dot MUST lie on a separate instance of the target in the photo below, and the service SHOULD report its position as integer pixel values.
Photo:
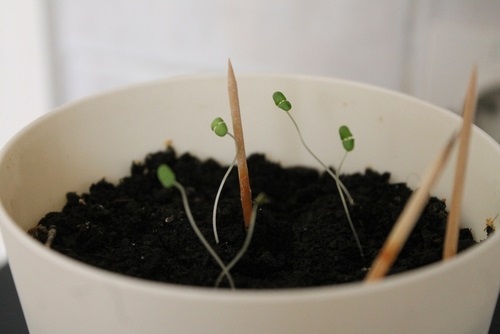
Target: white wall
(450, 37)
(102, 44)
(422, 47)
(25, 78)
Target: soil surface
(302, 237)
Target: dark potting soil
(302, 237)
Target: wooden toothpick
(452, 227)
(408, 218)
(245, 191)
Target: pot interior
(98, 137)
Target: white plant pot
(82, 142)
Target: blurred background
(55, 51)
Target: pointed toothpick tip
(230, 69)
(245, 190)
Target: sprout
(260, 199)
(348, 142)
(217, 197)
(328, 170)
(166, 176)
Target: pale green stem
(328, 170)
(347, 211)
(216, 203)
(340, 186)
(244, 248)
(200, 235)
(341, 163)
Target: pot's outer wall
(99, 136)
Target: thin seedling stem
(328, 170)
(246, 243)
(200, 236)
(219, 127)
(452, 226)
(341, 163)
(342, 198)
(216, 202)
(408, 218)
(245, 190)
(281, 101)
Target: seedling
(167, 178)
(348, 142)
(219, 127)
(260, 199)
(283, 103)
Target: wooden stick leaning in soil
(452, 227)
(408, 218)
(245, 191)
